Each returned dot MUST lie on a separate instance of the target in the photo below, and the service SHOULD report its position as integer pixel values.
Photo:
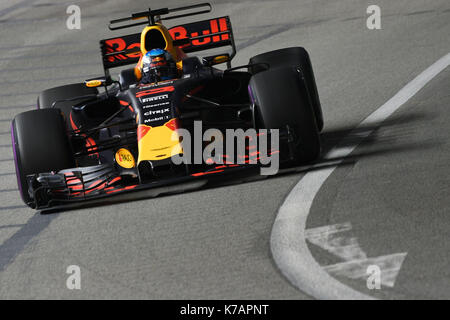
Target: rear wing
(196, 36)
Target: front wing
(74, 188)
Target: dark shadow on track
(19, 240)
(400, 127)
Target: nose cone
(158, 143)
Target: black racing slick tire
(48, 97)
(292, 57)
(40, 144)
(282, 101)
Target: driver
(158, 65)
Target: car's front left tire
(40, 144)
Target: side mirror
(97, 82)
(217, 59)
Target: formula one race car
(103, 137)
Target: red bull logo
(215, 26)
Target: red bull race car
(104, 137)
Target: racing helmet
(158, 65)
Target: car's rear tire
(292, 57)
(282, 100)
(49, 96)
(40, 144)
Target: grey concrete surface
(214, 243)
(395, 196)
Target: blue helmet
(158, 65)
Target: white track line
(287, 241)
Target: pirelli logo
(155, 98)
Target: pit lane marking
(287, 242)
(336, 240)
(331, 239)
(389, 265)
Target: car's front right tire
(282, 101)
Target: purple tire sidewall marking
(250, 93)
(13, 140)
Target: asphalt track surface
(386, 204)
